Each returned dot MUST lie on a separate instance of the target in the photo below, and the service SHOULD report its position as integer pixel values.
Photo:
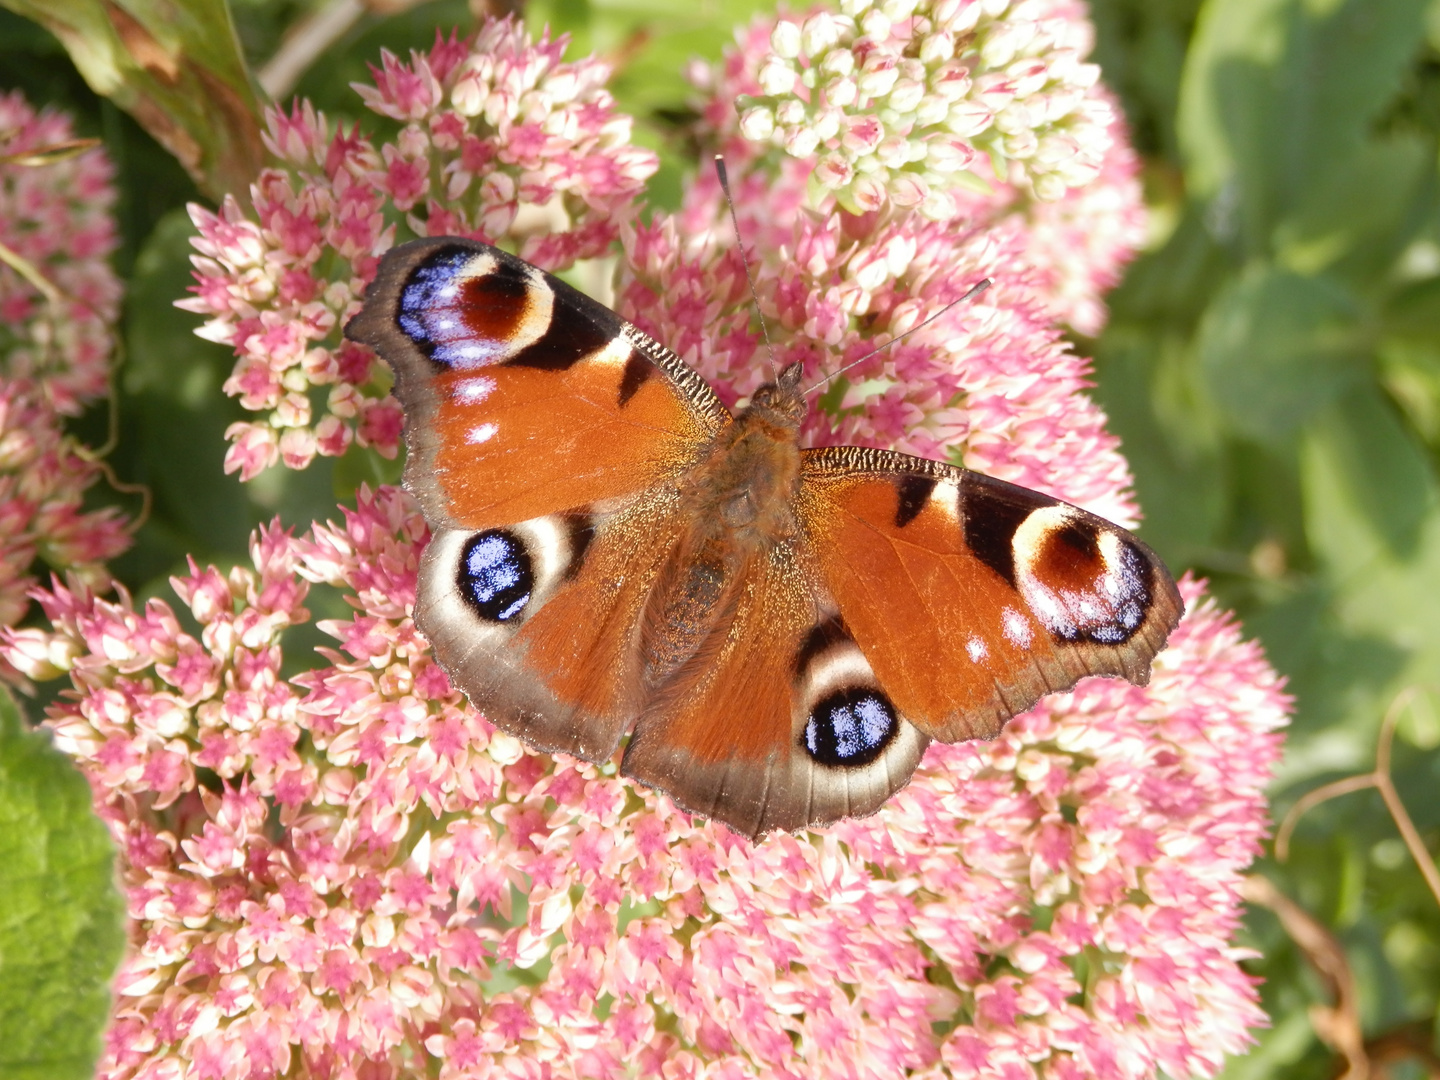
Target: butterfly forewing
(972, 597)
(523, 396)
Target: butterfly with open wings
(781, 631)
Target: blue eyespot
(495, 575)
(850, 727)
(424, 293)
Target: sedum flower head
(903, 98)
(501, 140)
(44, 474)
(55, 216)
(351, 873)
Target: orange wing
(522, 396)
(973, 598)
(777, 721)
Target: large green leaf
(1275, 93)
(174, 65)
(1276, 347)
(61, 933)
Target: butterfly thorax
(741, 492)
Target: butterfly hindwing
(776, 721)
(538, 621)
(973, 598)
(522, 395)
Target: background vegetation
(1272, 363)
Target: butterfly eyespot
(495, 575)
(850, 727)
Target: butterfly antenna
(745, 262)
(974, 292)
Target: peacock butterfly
(781, 630)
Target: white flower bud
(1029, 76)
(785, 39)
(874, 84)
(1005, 43)
(790, 112)
(827, 124)
(893, 152)
(939, 205)
(1020, 145)
(802, 143)
(757, 124)
(895, 10)
(968, 119)
(839, 62)
(777, 77)
(819, 33)
(867, 193)
(937, 48)
(875, 25)
(906, 95)
(1049, 188)
(930, 111)
(840, 92)
(834, 171)
(907, 189)
(947, 156)
(1013, 119)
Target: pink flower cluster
(54, 357)
(905, 100)
(351, 874)
(502, 141)
(55, 216)
(43, 478)
(990, 384)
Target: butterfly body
(780, 630)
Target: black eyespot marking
(637, 371)
(821, 637)
(585, 328)
(581, 530)
(850, 728)
(914, 491)
(495, 575)
(1083, 539)
(992, 514)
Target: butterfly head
(781, 402)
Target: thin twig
(1337, 1025)
(1379, 779)
(306, 42)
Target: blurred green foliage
(1272, 363)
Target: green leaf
(1370, 494)
(175, 66)
(61, 930)
(1357, 216)
(1276, 347)
(1277, 92)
